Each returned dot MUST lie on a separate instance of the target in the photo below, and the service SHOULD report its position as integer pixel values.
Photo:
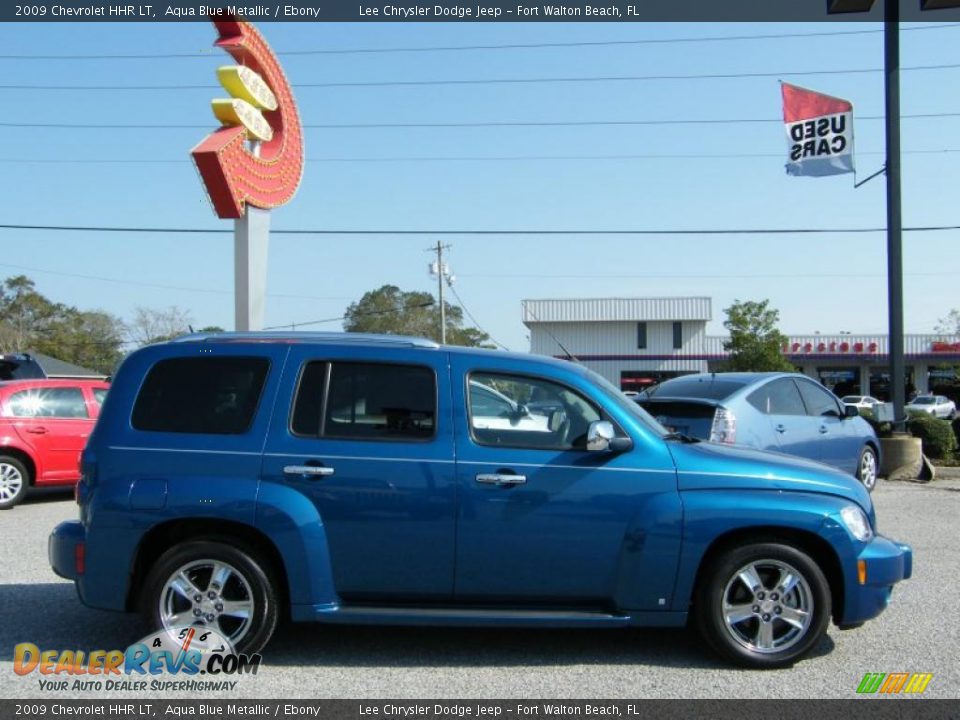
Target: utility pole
(891, 71)
(442, 271)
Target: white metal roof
(616, 309)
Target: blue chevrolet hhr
(235, 479)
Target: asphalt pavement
(919, 632)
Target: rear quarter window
(202, 395)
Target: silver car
(936, 405)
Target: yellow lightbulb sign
(251, 94)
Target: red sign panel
(232, 174)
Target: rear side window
(371, 401)
(779, 397)
(61, 402)
(202, 395)
(99, 394)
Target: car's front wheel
(867, 469)
(215, 585)
(763, 605)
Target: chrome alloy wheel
(768, 606)
(868, 469)
(208, 593)
(11, 482)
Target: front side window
(201, 395)
(819, 402)
(48, 403)
(522, 412)
(371, 401)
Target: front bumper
(64, 547)
(886, 563)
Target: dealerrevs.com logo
(183, 653)
(894, 683)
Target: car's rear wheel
(14, 481)
(763, 605)
(867, 469)
(214, 585)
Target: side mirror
(601, 437)
(850, 411)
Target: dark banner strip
(873, 709)
(481, 11)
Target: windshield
(625, 403)
(851, 399)
(924, 400)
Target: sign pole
(251, 240)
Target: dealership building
(636, 342)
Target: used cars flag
(819, 132)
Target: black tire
(14, 481)
(866, 461)
(763, 638)
(249, 582)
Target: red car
(44, 425)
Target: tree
(392, 311)
(152, 326)
(950, 325)
(755, 342)
(30, 322)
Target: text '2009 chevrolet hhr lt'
(236, 479)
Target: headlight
(856, 522)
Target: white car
(936, 405)
(861, 401)
(492, 410)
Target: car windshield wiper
(686, 439)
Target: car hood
(713, 466)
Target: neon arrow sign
(263, 109)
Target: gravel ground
(918, 633)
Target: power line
(472, 158)
(138, 283)
(474, 320)
(520, 232)
(483, 81)
(487, 124)
(347, 316)
(206, 53)
(692, 276)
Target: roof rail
(312, 337)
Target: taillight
(724, 428)
(80, 558)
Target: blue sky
(825, 283)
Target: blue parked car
(235, 479)
(779, 412)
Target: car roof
(362, 340)
(745, 381)
(50, 382)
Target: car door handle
(313, 471)
(823, 430)
(501, 479)
(780, 429)
(37, 430)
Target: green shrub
(937, 436)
